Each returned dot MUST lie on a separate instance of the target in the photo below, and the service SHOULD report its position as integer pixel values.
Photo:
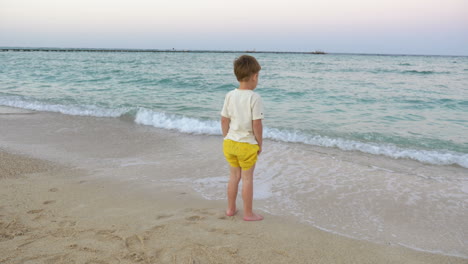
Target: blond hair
(245, 66)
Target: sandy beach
(69, 194)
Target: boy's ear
(255, 77)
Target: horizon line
(315, 52)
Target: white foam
(464, 187)
(425, 156)
(179, 123)
(13, 110)
(452, 253)
(77, 110)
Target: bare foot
(231, 212)
(254, 217)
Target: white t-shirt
(242, 106)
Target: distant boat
(318, 52)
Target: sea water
(413, 107)
(411, 110)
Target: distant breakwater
(146, 50)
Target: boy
(241, 123)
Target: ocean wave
(389, 150)
(180, 123)
(409, 72)
(425, 72)
(192, 125)
(196, 126)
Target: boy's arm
(225, 125)
(258, 132)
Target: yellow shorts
(240, 154)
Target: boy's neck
(246, 86)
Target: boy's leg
(233, 185)
(247, 195)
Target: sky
(428, 27)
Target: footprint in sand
(219, 230)
(88, 249)
(35, 211)
(163, 216)
(153, 232)
(55, 259)
(195, 218)
(85, 249)
(49, 202)
(223, 231)
(134, 243)
(108, 235)
(66, 223)
(204, 211)
(53, 190)
(136, 247)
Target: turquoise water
(412, 107)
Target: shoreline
(98, 156)
(177, 122)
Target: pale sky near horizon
(438, 27)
